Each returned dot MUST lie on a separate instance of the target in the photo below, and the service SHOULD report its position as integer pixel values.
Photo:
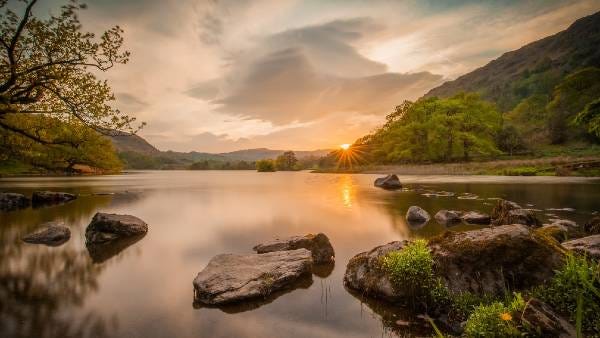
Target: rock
(475, 217)
(318, 245)
(416, 214)
(589, 246)
(543, 320)
(446, 217)
(108, 227)
(484, 261)
(562, 229)
(507, 212)
(230, 277)
(13, 201)
(480, 261)
(51, 233)
(364, 273)
(592, 227)
(389, 182)
(50, 197)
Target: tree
(47, 71)
(265, 165)
(286, 161)
(589, 117)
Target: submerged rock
(230, 277)
(318, 245)
(389, 182)
(592, 227)
(589, 246)
(507, 212)
(543, 320)
(447, 217)
(50, 197)
(417, 215)
(480, 261)
(475, 217)
(101, 252)
(51, 233)
(108, 227)
(12, 201)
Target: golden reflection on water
(347, 190)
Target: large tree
(48, 69)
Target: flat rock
(475, 217)
(417, 215)
(447, 217)
(12, 201)
(589, 246)
(231, 277)
(479, 261)
(51, 197)
(50, 233)
(108, 227)
(389, 182)
(318, 245)
(539, 316)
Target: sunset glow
(345, 146)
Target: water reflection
(346, 186)
(102, 252)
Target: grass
(12, 168)
(574, 291)
(496, 319)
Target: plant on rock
(496, 319)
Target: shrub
(265, 166)
(579, 277)
(496, 319)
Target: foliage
(579, 276)
(222, 165)
(589, 117)
(434, 129)
(265, 165)
(495, 319)
(530, 120)
(286, 161)
(510, 140)
(79, 145)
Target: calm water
(144, 289)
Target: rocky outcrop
(589, 246)
(51, 234)
(417, 215)
(542, 319)
(592, 227)
(507, 212)
(448, 217)
(108, 227)
(40, 198)
(562, 229)
(365, 274)
(479, 261)
(389, 182)
(475, 217)
(318, 245)
(231, 278)
(12, 201)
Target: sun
(345, 146)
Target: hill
(264, 153)
(535, 68)
(125, 142)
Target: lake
(144, 288)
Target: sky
(223, 75)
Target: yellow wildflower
(505, 316)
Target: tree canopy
(286, 161)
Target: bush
(496, 319)
(265, 166)
(579, 276)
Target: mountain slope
(533, 69)
(125, 142)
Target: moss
(494, 320)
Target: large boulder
(448, 217)
(589, 246)
(543, 320)
(50, 233)
(318, 245)
(592, 227)
(12, 201)
(417, 215)
(231, 278)
(562, 229)
(475, 217)
(485, 261)
(50, 197)
(389, 182)
(507, 212)
(108, 227)
(365, 274)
